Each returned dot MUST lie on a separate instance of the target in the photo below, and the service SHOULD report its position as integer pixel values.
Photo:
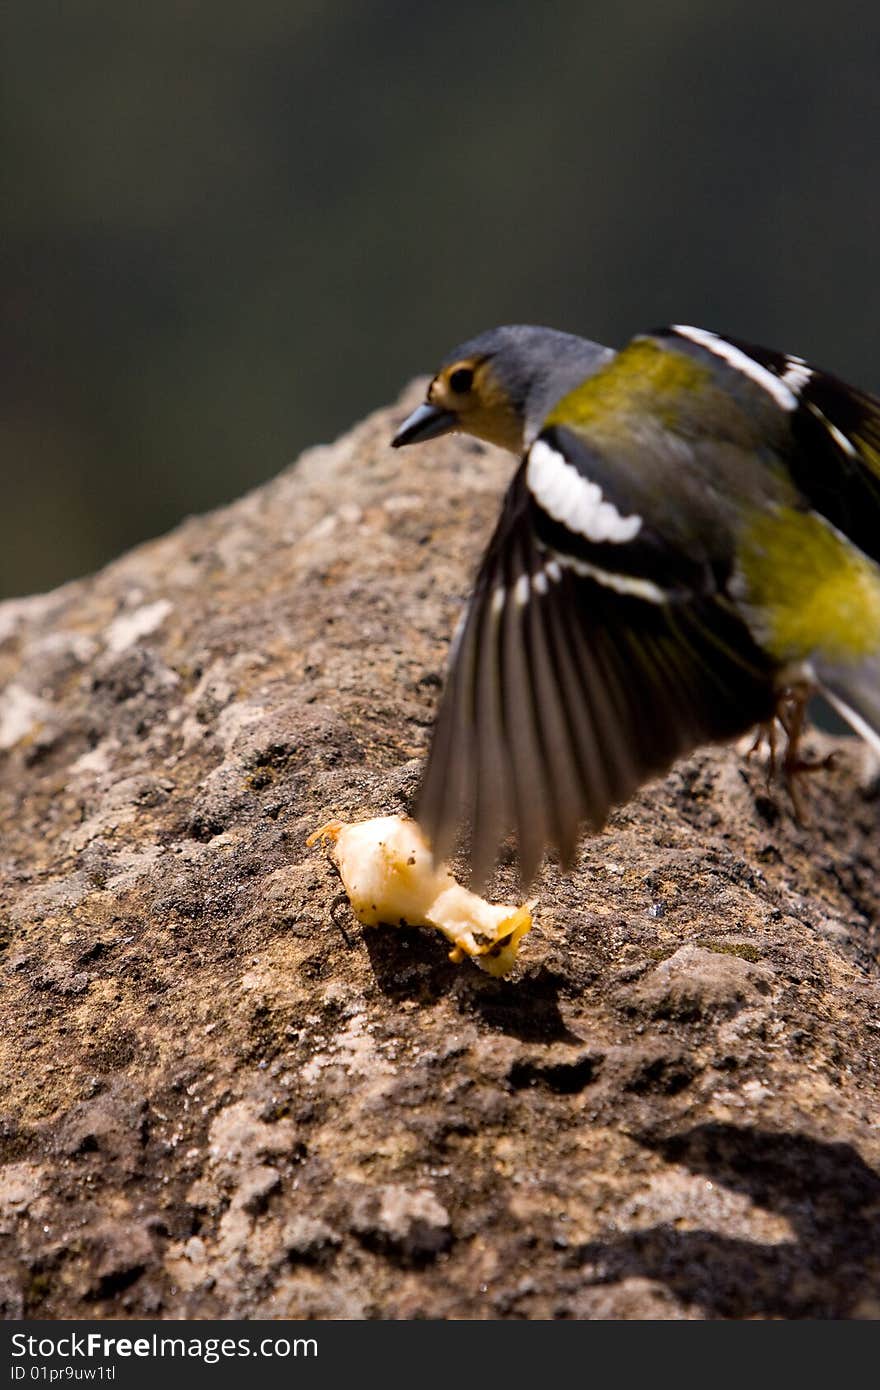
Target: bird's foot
(765, 733)
(791, 712)
(793, 765)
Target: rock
(20, 1185)
(643, 1069)
(629, 1300)
(239, 1136)
(220, 1097)
(695, 982)
(11, 1299)
(411, 1225)
(112, 1125)
(309, 1241)
(118, 1253)
(257, 1187)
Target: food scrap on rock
(390, 876)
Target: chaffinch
(690, 545)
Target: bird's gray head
(501, 385)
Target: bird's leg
(766, 733)
(791, 713)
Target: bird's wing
(576, 675)
(835, 432)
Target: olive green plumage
(693, 531)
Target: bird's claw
(790, 716)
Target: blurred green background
(231, 230)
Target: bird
(689, 547)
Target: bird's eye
(461, 380)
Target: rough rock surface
(222, 1097)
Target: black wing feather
(841, 480)
(530, 773)
(565, 696)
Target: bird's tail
(854, 692)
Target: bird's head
(500, 386)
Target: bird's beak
(426, 422)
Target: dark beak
(426, 422)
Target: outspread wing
(570, 684)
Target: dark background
(232, 229)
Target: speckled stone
(222, 1097)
